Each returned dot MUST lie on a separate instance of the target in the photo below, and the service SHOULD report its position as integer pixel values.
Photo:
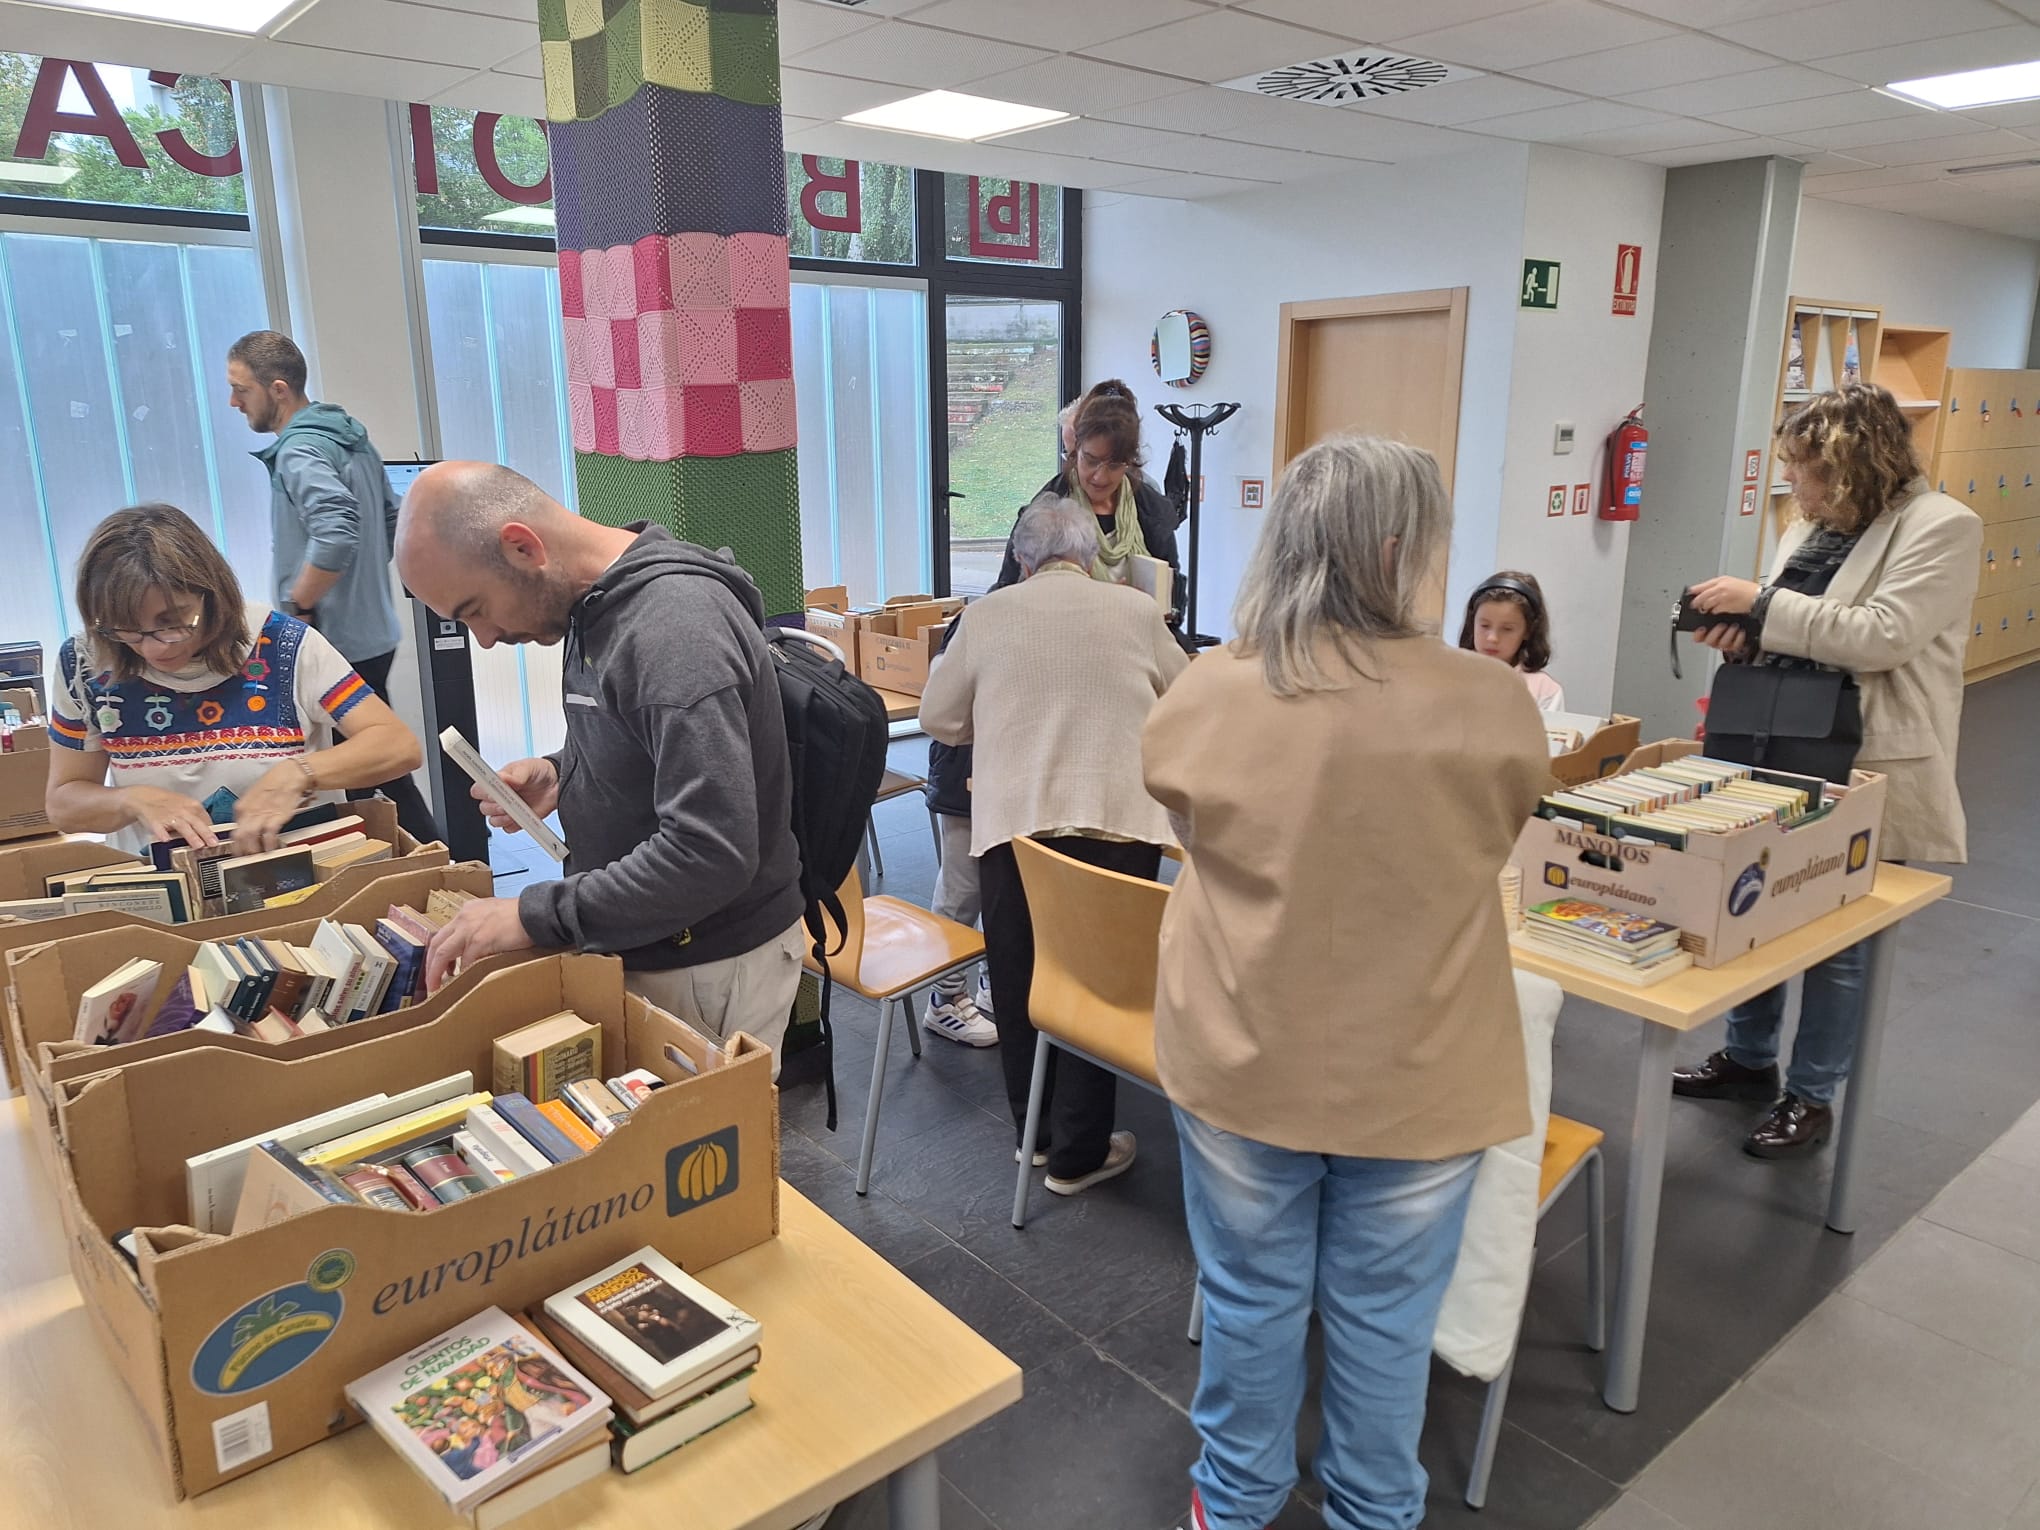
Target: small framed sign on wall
(1251, 490)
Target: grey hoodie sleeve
(331, 515)
(705, 848)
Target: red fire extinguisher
(1622, 488)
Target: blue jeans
(1830, 1016)
(1370, 1243)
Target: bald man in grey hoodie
(674, 788)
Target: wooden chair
(894, 783)
(891, 951)
(1096, 939)
(1569, 1147)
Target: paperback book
(659, 1326)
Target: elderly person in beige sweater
(1052, 680)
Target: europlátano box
(237, 1349)
(1727, 893)
(46, 980)
(23, 866)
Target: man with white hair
(1051, 680)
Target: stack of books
(676, 1359)
(426, 1148)
(267, 988)
(1512, 897)
(1630, 947)
(491, 1415)
(1663, 804)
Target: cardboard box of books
(1727, 890)
(895, 646)
(239, 1347)
(49, 982)
(24, 769)
(28, 872)
(1600, 753)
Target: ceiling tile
(1060, 25)
(489, 91)
(1117, 141)
(1941, 55)
(1189, 187)
(1333, 130)
(1846, 26)
(530, 65)
(410, 31)
(116, 40)
(2013, 114)
(525, 11)
(1491, 95)
(360, 74)
(1714, 153)
(1858, 180)
(1648, 66)
(1820, 162)
(1223, 156)
(1968, 148)
(1861, 104)
(1733, 92)
(1220, 45)
(1555, 122)
(1080, 85)
(807, 93)
(1382, 19)
(1673, 133)
(901, 53)
(805, 25)
(1206, 109)
(1923, 124)
(1710, 15)
(1552, 30)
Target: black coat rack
(1196, 421)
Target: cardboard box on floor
(24, 772)
(46, 981)
(1601, 755)
(896, 646)
(224, 1339)
(1727, 893)
(26, 865)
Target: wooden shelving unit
(1989, 458)
(1829, 342)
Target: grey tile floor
(1791, 1376)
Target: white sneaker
(982, 998)
(1040, 1159)
(1118, 1159)
(959, 1020)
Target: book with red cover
(440, 1169)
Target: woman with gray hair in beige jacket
(1051, 680)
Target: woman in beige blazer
(1335, 1020)
(1876, 577)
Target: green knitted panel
(749, 503)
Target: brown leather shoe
(1721, 1077)
(1793, 1129)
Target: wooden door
(1384, 366)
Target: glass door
(1004, 368)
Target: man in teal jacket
(332, 520)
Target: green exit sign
(1540, 284)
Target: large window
(126, 270)
(1005, 368)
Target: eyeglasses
(1091, 464)
(159, 634)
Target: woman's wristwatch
(310, 789)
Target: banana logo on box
(1555, 875)
(701, 1171)
(1859, 852)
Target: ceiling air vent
(1366, 74)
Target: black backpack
(836, 737)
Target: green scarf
(1123, 541)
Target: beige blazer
(1052, 680)
(1334, 969)
(1897, 615)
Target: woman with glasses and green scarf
(1103, 471)
(178, 706)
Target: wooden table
(899, 706)
(1690, 1000)
(864, 1377)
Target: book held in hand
(480, 1407)
(659, 1326)
(463, 754)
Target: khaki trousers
(753, 992)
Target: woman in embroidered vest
(175, 691)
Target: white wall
(1981, 286)
(1581, 363)
(1438, 223)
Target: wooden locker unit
(1989, 458)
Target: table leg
(1640, 1217)
(1862, 1101)
(913, 1496)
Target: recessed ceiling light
(950, 114)
(528, 217)
(215, 15)
(1972, 87)
(37, 175)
